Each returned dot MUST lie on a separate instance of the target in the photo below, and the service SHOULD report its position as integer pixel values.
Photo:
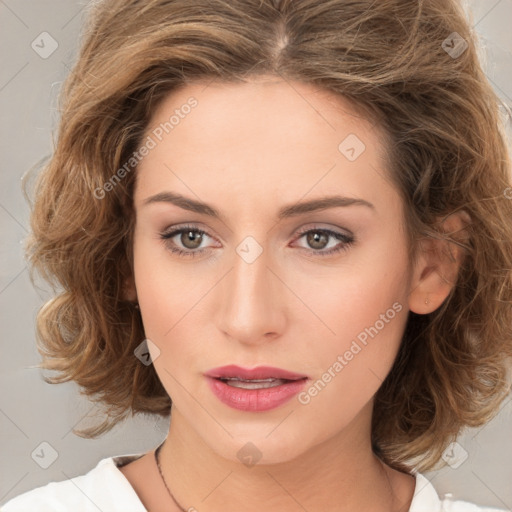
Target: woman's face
(274, 281)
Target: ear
(437, 265)
(129, 290)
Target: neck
(340, 474)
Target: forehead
(267, 137)
(257, 105)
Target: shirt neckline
(425, 497)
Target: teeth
(254, 383)
(270, 379)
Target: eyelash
(347, 240)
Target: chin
(253, 445)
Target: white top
(105, 488)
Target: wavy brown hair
(446, 149)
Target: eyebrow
(292, 210)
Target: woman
(291, 219)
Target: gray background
(31, 411)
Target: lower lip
(255, 400)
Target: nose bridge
(250, 272)
(250, 296)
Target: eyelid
(328, 228)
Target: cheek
(365, 310)
(348, 371)
(172, 299)
(165, 292)
(352, 297)
(155, 292)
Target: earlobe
(437, 265)
(129, 290)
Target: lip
(260, 372)
(254, 400)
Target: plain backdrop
(33, 412)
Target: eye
(190, 238)
(318, 240)
(185, 241)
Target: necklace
(163, 479)
(157, 451)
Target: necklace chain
(163, 479)
(157, 458)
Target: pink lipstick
(257, 389)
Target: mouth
(257, 389)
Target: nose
(251, 307)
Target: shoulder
(103, 488)
(448, 505)
(426, 499)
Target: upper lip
(260, 372)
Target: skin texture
(249, 149)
